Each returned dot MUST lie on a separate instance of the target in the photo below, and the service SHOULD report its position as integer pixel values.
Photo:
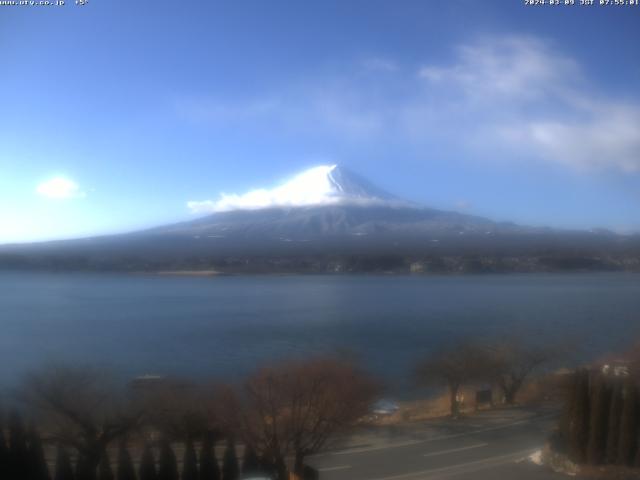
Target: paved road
(492, 445)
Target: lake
(225, 326)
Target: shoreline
(186, 273)
(284, 273)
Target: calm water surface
(225, 326)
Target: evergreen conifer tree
(190, 462)
(168, 469)
(38, 469)
(600, 398)
(230, 467)
(18, 451)
(567, 414)
(125, 469)
(63, 469)
(84, 470)
(147, 469)
(250, 462)
(4, 452)
(281, 471)
(628, 424)
(209, 468)
(267, 466)
(105, 472)
(579, 418)
(613, 424)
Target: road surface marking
(433, 439)
(373, 449)
(331, 469)
(453, 450)
(463, 467)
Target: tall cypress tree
(63, 465)
(615, 412)
(147, 469)
(84, 469)
(566, 415)
(579, 418)
(250, 462)
(190, 462)
(38, 469)
(168, 469)
(596, 448)
(125, 469)
(104, 467)
(4, 452)
(18, 451)
(268, 466)
(230, 468)
(209, 468)
(281, 471)
(628, 424)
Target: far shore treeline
(435, 263)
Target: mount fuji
(322, 185)
(329, 219)
(322, 203)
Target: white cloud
(514, 68)
(608, 137)
(201, 206)
(501, 97)
(316, 186)
(312, 187)
(59, 188)
(521, 94)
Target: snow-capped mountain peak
(320, 185)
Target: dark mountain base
(337, 264)
(336, 239)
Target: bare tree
(80, 408)
(512, 361)
(294, 408)
(181, 409)
(453, 367)
(172, 406)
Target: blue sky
(117, 114)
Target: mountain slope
(323, 219)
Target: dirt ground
(546, 390)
